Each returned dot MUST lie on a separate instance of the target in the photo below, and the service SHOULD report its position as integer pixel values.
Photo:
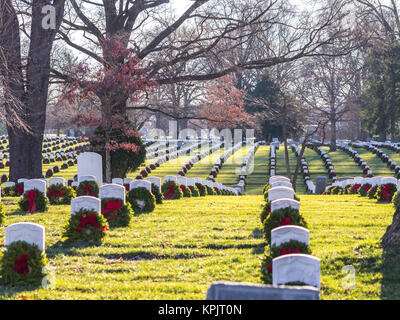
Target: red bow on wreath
(367, 188)
(21, 265)
(127, 187)
(20, 189)
(112, 206)
(170, 192)
(31, 196)
(56, 193)
(286, 221)
(182, 188)
(86, 219)
(87, 189)
(289, 251)
(386, 188)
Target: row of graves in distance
(95, 208)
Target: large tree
(26, 78)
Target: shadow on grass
(390, 284)
(68, 248)
(146, 255)
(10, 292)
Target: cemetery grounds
(183, 246)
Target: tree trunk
(333, 134)
(391, 238)
(284, 127)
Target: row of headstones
(304, 165)
(292, 267)
(374, 181)
(272, 161)
(247, 165)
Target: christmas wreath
(186, 191)
(117, 213)
(385, 192)
(56, 169)
(202, 189)
(290, 247)
(396, 199)
(171, 190)
(4, 178)
(363, 191)
(141, 200)
(354, 188)
(155, 190)
(2, 214)
(34, 201)
(49, 173)
(60, 194)
(86, 225)
(265, 191)
(64, 166)
(195, 191)
(88, 188)
(266, 211)
(23, 263)
(372, 192)
(282, 217)
(211, 191)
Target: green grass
(377, 166)
(177, 251)
(344, 165)
(260, 175)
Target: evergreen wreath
(34, 201)
(117, 213)
(372, 192)
(282, 217)
(2, 214)
(86, 225)
(194, 190)
(186, 191)
(211, 191)
(290, 247)
(266, 211)
(88, 188)
(141, 194)
(202, 189)
(363, 191)
(385, 192)
(155, 190)
(9, 191)
(60, 194)
(171, 190)
(22, 264)
(396, 199)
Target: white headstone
(155, 180)
(85, 202)
(281, 183)
(140, 184)
(182, 181)
(90, 164)
(284, 203)
(38, 184)
(86, 178)
(10, 184)
(128, 180)
(296, 268)
(389, 180)
(57, 180)
(29, 232)
(118, 181)
(284, 234)
(170, 178)
(280, 193)
(112, 191)
(276, 178)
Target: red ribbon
(170, 192)
(367, 188)
(56, 193)
(21, 264)
(182, 188)
(20, 189)
(87, 189)
(289, 251)
(112, 206)
(286, 221)
(86, 219)
(385, 192)
(31, 196)
(127, 187)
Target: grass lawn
(377, 166)
(344, 165)
(178, 250)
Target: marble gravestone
(29, 232)
(85, 202)
(90, 164)
(112, 191)
(320, 184)
(284, 234)
(140, 184)
(38, 184)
